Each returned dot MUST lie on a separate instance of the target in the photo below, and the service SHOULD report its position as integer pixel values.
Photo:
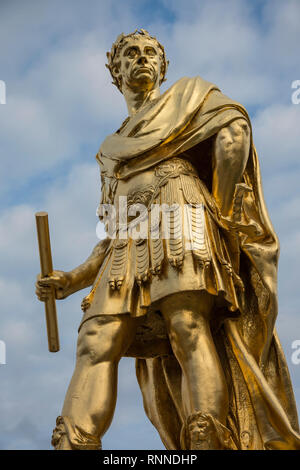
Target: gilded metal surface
(46, 270)
(197, 311)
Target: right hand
(59, 280)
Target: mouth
(142, 70)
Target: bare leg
(203, 383)
(91, 397)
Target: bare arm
(66, 283)
(231, 151)
(230, 156)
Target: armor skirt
(174, 245)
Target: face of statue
(140, 64)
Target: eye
(150, 51)
(131, 52)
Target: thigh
(187, 316)
(106, 337)
(197, 304)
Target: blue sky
(60, 106)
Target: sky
(60, 105)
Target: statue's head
(138, 60)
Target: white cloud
(276, 134)
(60, 105)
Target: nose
(142, 60)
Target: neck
(135, 100)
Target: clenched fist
(59, 280)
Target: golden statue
(196, 310)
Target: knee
(185, 332)
(99, 343)
(233, 138)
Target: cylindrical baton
(46, 269)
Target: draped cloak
(262, 411)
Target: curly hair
(117, 47)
